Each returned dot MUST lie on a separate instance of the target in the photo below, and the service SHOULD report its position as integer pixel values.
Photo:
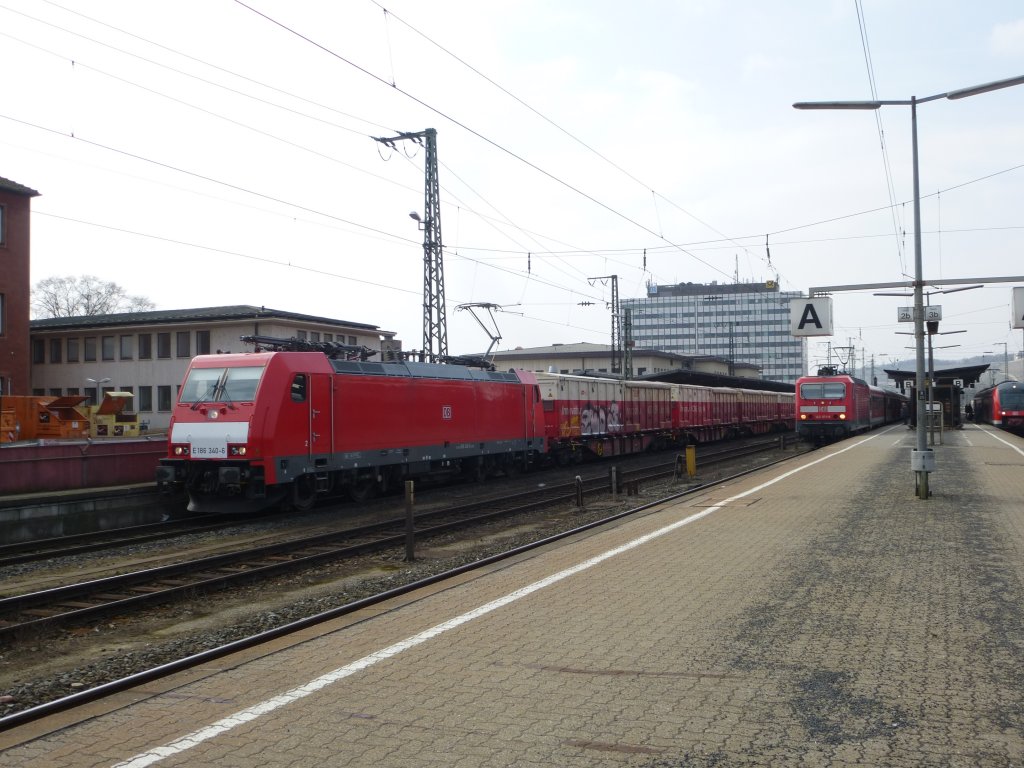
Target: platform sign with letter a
(811, 317)
(1018, 307)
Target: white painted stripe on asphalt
(995, 436)
(249, 714)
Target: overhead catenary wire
(544, 253)
(672, 246)
(482, 137)
(862, 24)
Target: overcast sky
(211, 152)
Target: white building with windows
(744, 322)
(146, 353)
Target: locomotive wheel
(303, 494)
(363, 489)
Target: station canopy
(967, 376)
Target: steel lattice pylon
(616, 351)
(435, 323)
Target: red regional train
(261, 429)
(832, 406)
(1001, 406)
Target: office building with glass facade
(743, 322)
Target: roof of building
(718, 380)
(585, 348)
(711, 289)
(203, 314)
(682, 375)
(18, 189)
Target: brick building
(15, 287)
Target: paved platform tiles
(814, 614)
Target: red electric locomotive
(257, 429)
(1001, 406)
(833, 406)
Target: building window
(73, 351)
(126, 347)
(183, 344)
(352, 340)
(202, 342)
(3, 225)
(90, 349)
(163, 398)
(300, 335)
(107, 345)
(56, 350)
(145, 346)
(146, 399)
(328, 337)
(163, 345)
(2, 308)
(55, 392)
(72, 391)
(90, 394)
(38, 352)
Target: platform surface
(815, 613)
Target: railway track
(50, 609)
(96, 541)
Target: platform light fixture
(922, 460)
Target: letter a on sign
(1018, 307)
(811, 317)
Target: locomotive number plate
(209, 450)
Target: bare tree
(83, 296)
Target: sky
(217, 152)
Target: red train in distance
(832, 406)
(261, 429)
(1001, 406)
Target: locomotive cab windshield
(823, 390)
(221, 385)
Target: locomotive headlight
(213, 413)
(803, 417)
(181, 450)
(842, 417)
(237, 450)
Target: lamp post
(922, 460)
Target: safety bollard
(579, 491)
